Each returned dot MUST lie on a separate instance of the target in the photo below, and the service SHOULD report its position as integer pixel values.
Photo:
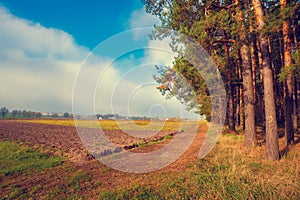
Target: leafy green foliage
(185, 84)
(285, 71)
(206, 25)
(294, 68)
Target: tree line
(255, 46)
(6, 113)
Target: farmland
(45, 159)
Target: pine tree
(272, 149)
(289, 86)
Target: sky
(82, 56)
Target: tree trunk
(230, 98)
(238, 97)
(272, 149)
(289, 90)
(231, 120)
(253, 63)
(296, 77)
(250, 138)
(296, 106)
(241, 94)
(238, 107)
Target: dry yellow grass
(249, 163)
(118, 124)
(230, 171)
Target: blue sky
(59, 53)
(89, 22)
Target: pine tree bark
(272, 149)
(297, 96)
(253, 63)
(296, 106)
(289, 90)
(230, 97)
(253, 56)
(250, 138)
(238, 97)
(238, 106)
(230, 108)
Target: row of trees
(5, 113)
(255, 45)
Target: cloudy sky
(94, 55)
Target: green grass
(74, 181)
(16, 159)
(137, 192)
(70, 186)
(16, 192)
(143, 144)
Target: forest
(255, 47)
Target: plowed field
(61, 140)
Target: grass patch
(137, 192)
(16, 192)
(70, 187)
(143, 144)
(74, 181)
(16, 159)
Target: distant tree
(14, 113)
(30, 114)
(25, 113)
(99, 116)
(38, 115)
(54, 115)
(4, 111)
(107, 116)
(19, 113)
(66, 115)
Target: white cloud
(141, 19)
(38, 67)
(134, 94)
(160, 52)
(133, 91)
(36, 40)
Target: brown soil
(63, 140)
